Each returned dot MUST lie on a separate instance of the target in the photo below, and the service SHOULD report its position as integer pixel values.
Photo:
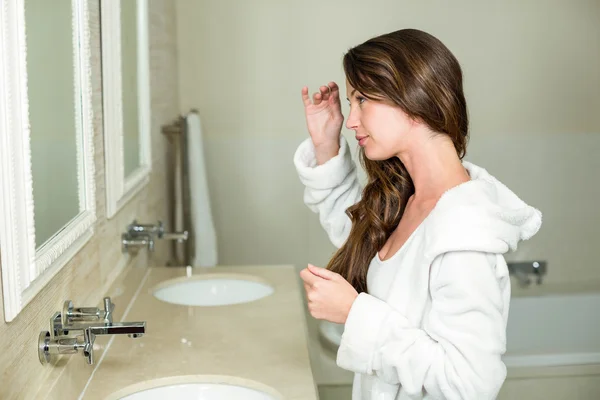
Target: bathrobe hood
(479, 215)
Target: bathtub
(553, 330)
(542, 331)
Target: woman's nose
(352, 121)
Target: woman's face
(380, 128)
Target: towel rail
(176, 132)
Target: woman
(419, 279)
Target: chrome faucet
(76, 329)
(156, 230)
(523, 271)
(132, 243)
(140, 235)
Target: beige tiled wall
(86, 278)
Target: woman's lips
(361, 140)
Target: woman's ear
(416, 122)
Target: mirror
(52, 116)
(47, 207)
(126, 100)
(129, 67)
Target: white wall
(532, 74)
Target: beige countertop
(261, 344)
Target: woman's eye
(359, 99)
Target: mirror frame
(120, 189)
(25, 269)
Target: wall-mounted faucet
(156, 230)
(76, 329)
(143, 235)
(523, 271)
(133, 243)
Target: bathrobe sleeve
(330, 188)
(457, 354)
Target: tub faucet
(523, 271)
(76, 329)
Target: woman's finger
(335, 91)
(333, 86)
(306, 287)
(325, 92)
(322, 272)
(308, 277)
(317, 98)
(305, 97)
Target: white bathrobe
(433, 323)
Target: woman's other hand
(329, 295)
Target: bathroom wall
(532, 70)
(532, 73)
(86, 278)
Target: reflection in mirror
(52, 116)
(129, 70)
(126, 95)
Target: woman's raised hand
(324, 120)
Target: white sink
(200, 391)
(197, 387)
(213, 290)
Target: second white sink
(200, 391)
(216, 290)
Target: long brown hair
(416, 72)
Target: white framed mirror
(126, 86)
(47, 204)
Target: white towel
(205, 238)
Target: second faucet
(143, 235)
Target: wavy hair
(416, 72)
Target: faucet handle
(109, 307)
(135, 229)
(180, 237)
(67, 310)
(50, 347)
(132, 243)
(88, 346)
(70, 315)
